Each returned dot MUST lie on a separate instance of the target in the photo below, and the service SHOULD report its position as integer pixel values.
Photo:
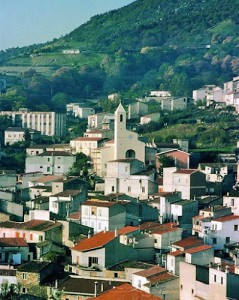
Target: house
(202, 222)
(99, 133)
(32, 275)
(219, 176)
(125, 291)
(128, 176)
(216, 282)
(79, 111)
(86, 144)
(33, 231)
(137, 109)
(156, 280)
(48, 123)
(181, 158)
(164, 235)
(163, 201)
(96, 120)
(14, 251)
(76, 287)
(103, 215)
(17, 134)
(174, 103)
(102, 250)
(190, 182)
(34, 150)
(65, 203)
(231, 199)
(182, 213)
(146, 119)
(8, 180)
(50, 162)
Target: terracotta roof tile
(164, 277)
(35, 225)
(101, 239)
(13, 242)
(176, 253)
(89, 139)
(125, 292)
(99, 203)
(226, 218)
(47, 178)
(198, 249)
(155, 270)
(189, 242)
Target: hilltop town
(113, 213)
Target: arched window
(130, 154)
(121, 118)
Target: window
(31, 236)
(221, 280)
(181, 286)
(93, 210)
(214, 240)
(24, 290)
(227, 240)
(100, 212)
(40, 238)
(48, 159)
(236, 227)
(121, 118)
(192, 291)
(93, 260)
(215, 278)
(143, 189)
(129, 189)
(232, 202)
(115, 275)
(48, 169)
(155, 241)
(112, 188)
(24, 276)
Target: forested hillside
(177, 45)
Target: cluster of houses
(138, 234)
(228, 95)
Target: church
(126, 144)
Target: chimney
(89, 234)
(102, 287)
(56, 284)
(96, 285)
(116, 232)
(226, 269)
(105, 230)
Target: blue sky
(26, 22)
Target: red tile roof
(226, 218)
(125, 292)
(35, 225)
(176, 253)
(198, 249)
(47, 178)
(159, 228)
(101, 239)
(13, 242)
(155, 270)
(189, 242)
(164, 277)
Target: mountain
(178, 45)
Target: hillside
(177, 45)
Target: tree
(165, 162)
(58, 102)
(9, 291)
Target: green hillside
(178, 45)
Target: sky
(26, 22)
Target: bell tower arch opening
(130, 154)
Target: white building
(103, 215)
(79, 111)
(127, 176)
(48, 123)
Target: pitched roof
(159, 228)
(176, 253)
(198, 249)
(13, 242)
(35, 225)
(125, 292)
(67, 193)
(155, 270)
(90, 139)
(189, 242)
(47, 178)
(101, 239)
(226, 218)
